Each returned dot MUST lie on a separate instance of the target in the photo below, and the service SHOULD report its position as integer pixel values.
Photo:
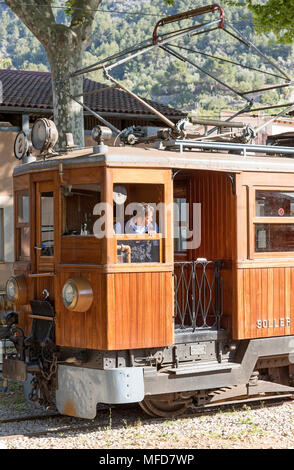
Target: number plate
(198, 350)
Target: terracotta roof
(26, 89)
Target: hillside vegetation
(156, 75)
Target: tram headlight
(77, 294)
(16, 290)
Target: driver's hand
(151, 233)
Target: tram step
(203, 368)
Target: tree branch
(38, 19)
(83, 13)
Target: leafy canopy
(271, 15)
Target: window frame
(254, 220)
(64, 208)
(182, 189)
(134, 177)
(2, 234)
(20, 225)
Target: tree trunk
(65, 56)
(64, 46)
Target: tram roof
(141, 157)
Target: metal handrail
(198, 294)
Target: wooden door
(45, 226)
(181, 217)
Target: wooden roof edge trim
(150, 158)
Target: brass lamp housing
(83, 294)
(21, 291)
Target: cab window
(79, 201)
(138, 222)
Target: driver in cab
(141, 223)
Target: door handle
(38, 248)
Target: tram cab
(162, 316)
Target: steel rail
(19, 419)
(192, 412)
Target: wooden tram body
(143, 338)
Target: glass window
(181, 224)
(138, 251)
(25, 241)
(274, 204)
(47, 224)
(274, 237)
(79, 202)
(138, 222)
(1, 234)
(22, 224)
(22, 208)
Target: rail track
(115, 422)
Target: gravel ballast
(119, 428)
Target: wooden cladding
(81, 250)
(265, 302)
(214, 192)
(130, 310)
(133, 307)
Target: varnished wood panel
(141, 315)
(24, 322)
(265, 305)
(81, 250)
(130, 310)
(78, 329)
(218, 215)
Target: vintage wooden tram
(93, 325)
(199, 309)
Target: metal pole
(231, 146)
(271, 87)
(249, 44)
(107, 123)
(223, 59)
(274, 118)
(148, 106)
(158, 44)
(184, 59)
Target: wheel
(164, 405)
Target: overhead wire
(139, 13)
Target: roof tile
(28, 89)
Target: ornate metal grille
(198, 294)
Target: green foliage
(156, 75)
(271, 15)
